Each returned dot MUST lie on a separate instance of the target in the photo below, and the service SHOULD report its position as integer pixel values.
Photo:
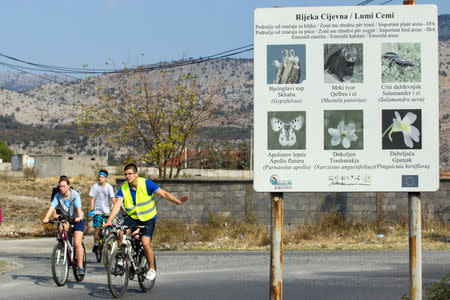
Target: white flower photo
(344, 134)
(343, 130)
(409, 126)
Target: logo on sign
(350, 180)
(410, 181)
(280, 184)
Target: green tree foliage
(229, 158)
(157, 118)
(439, 290)
(13, 131)
(5, 152)
(243, 156)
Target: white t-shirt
(101, 195)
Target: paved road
(226, 275)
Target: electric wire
(364, 2)
(68, 70)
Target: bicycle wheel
(117, 274)
(109, 246)
(98, 252)
(145, 284)
(77, 276)
(60, 264)
(101, 238)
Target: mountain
(56, 104)
(29, 118)
(20, 82)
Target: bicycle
(64, 255)
(102, 236)
(127, 262)
(110, 244)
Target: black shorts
(149, 225)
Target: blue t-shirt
(151, 189)
(76, 204)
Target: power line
(68, 70)
(364, 2)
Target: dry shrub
(29, 173)
(263, 239)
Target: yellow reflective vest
(145, 208)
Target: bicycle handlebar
(57, 221)
(60, 221)
(124, 227)
(113, 226)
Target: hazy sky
(72, 33)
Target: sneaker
(80, 271)
(120, 262)
(151, 274)
(95, 248)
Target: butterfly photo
(286, 130)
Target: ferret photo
(343, 63)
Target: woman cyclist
(67, 203)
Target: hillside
(27, 116)
(54, 104)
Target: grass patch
(435, 290)
(6, 266)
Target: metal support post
(415, 246)
(276, 247)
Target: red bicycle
(64, 255)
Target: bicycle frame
(132, 243)
(64, 237)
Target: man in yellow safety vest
(136, 194)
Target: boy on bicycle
(136, 194)
(100, 194)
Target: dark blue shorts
(149, 225)
(80, 226)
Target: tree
(243, 156)
(229, 156)
(155, 114)
(5, 152)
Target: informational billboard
(346, 99)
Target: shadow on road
(98, 290)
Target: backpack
(55, 190)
